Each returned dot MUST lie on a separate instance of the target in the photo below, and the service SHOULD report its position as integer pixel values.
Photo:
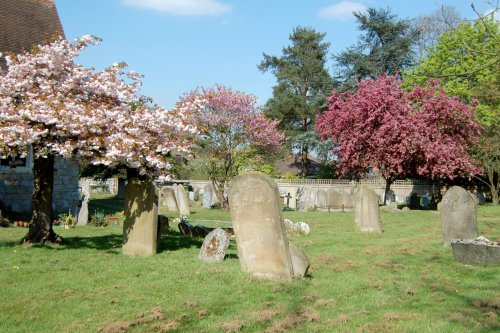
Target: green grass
(403, 280)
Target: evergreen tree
(303, 83)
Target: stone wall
(16, 186)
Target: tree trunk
(218, 188)
(494, 183)
(304, 160)
(40, 230)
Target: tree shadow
(175, 241)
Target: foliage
(385, 47)
(66, 219)
(98, 219)
(423, 132)
(466, 60)
(409, 282)
(229, 123)
(302, 85)
(55, 107)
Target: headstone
(321, 198)
(168, 199)
(120, 193)
(346, 200)
(207, 196)
(293, 197)
(182, 199)
(414, 201)
(140, 229)
(366, 210)
(300, 262)
(163, 226)
(200, 231)
(313, 195)
(334, 199)
(83, 214)
(458, 215)
(214, 246)
(390, 196)
(258, 224)
(185, 228)
(303, 198)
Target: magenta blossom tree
(55, 107)
(229, 123)
(382, 127)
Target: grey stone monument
(366, 210)
(334, 199)
(140, 229)
(256, 212)
(321, 198)
(168, 199)
(83, 214)
(214, 246)
(458, 215)
(207, 196)
(182, 199)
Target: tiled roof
(24, 23)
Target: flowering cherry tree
(382, 127)
(55, 107)
(229, 123)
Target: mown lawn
(403, 280)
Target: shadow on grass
(176, 241)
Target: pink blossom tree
(229, 123)
(55, 107)
(400, 134)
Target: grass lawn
(402, 280)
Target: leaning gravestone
(366, 210)
(168, 199)
(140, 228)
(182, 199)
(458, 215)
(214, 246)
(259, 228)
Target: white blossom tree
(58, 108)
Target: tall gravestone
(321, 198)
(182, 200)
(346, 199)
(458, 215)
(83, 214)
(140, 228)
(334, 199)
(168, 199)
(366, 210)
(207, 196)
(256, 212)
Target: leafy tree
(385, 48)
(55, 107)
(466, 61)
(302, 86)
(424, 132)
(229, 123)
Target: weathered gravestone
(334, 199)
(168, 199)
(414, 201)
(263, 248)
(207, 196)
(83, 214)
(346, 200)
(321, 198)
(214, 246)
(312, 199)
(140, 229)
(458, 215)
(366, 210)
(182, 199)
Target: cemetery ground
(403, 280)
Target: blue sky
(179, 45)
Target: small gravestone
(207, 196)
(120, 193)
(414, 201)
(168, 199)
(303, 199)
(313, 196)
(321, 198)
(182, 199)
(163, 226)
(140, 228)
(214, 246)
(458, 215)
(366, 210)
(334, 199)
(185, 228)
(259, 228)
(346, 200)
(83, 214)
(300, 262)
(390, 196)
(200, 231)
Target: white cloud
(182, 7)
(342, 10)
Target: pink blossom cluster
(381, 126)
(58, 107)
(231, 118)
